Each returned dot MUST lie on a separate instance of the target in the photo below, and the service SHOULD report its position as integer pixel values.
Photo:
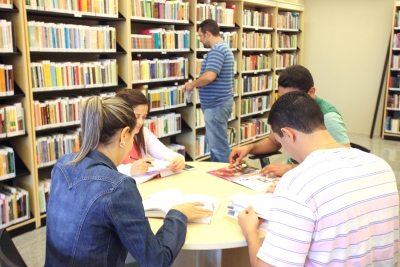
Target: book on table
(247, 176)
(260, 202)
(160, 170)
(158, 204)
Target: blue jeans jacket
(95, 215)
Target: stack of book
(288, 20)
(176, 10)
(6, 80)
(223, 13)
(254, 18)
(12, 120)
(164, 125)
(161, 39)
(177, 148)
(166, 98)
(256, 40)
(145, 70)
(285, 60)
(252, 128)
(257, 104)
(256, 63)
(253, 84)
(14, 205)
(7, 42)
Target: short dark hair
(296, 76)
(296, 110)
(209, 25)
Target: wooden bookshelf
(391, 112)
(126, 24)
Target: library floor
(31, 245)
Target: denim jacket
(95, 215)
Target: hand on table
(276, 169)
(177, 164)
(141, 166)
(193, 210)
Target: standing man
(294, 78)
(215, 86)
(339, 207)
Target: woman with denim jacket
(146, 145)
(95, 213)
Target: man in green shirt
(294, 78)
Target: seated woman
(95, 213)
(146, 145)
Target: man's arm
(249, 222)
(206, 78)
(266, 145)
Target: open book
(158, 204)
(247, 176)
(260, 202)
(160, 168)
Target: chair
(9, 255)
(264, 158)
(360, 147)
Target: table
(220, 243)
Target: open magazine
(160, 170)
(158, 204)
(247, 176)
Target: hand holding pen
(142, 165)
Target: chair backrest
(9, 255)
(360, 147)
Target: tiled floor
(32, 245)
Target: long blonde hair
(101, 120)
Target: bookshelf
(21, 143)
(391, 112)
(254, 44)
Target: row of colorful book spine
(14, 205)
(160, 9)
(60, 37)
(6, 80)
(161, 98)
(7, 162)
(392, 125)
(254, 18)
(202, 146)
(7, 43)
(253, 128)
(6, 4)
(50, 148)
(288, 20)
(164, 125)
(256, 62)
(12, 120)
(103, 8)
(145, 70)
(161, 39)
(221, 12)
(44, 193)
(256, 84)
(47, 75)
(256, 104)
(393, 101)
(256, 40)
(286, 40)
(285, 60)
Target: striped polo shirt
(339, 207)
(219, 60)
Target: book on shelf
(158, 204)
(160, 169)
(246, 176)
(15, 205)
(259, 202)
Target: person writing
(339, 207)
(215, 86)
(294, 78)
(95, 213)
(146, 145)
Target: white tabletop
(221, 233)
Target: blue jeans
(216, 125)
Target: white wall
(345, 44)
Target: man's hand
(249, 221)
(238, 154)
(276, 169)
(177, 164)
(187, 87)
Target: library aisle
(32, 245)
